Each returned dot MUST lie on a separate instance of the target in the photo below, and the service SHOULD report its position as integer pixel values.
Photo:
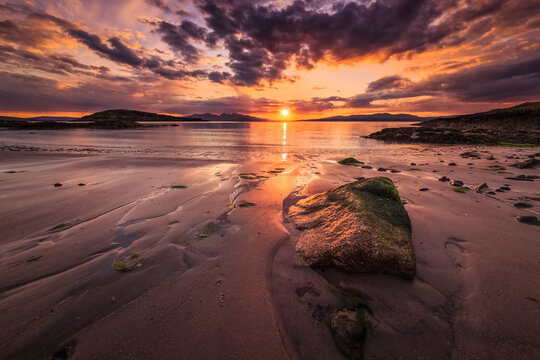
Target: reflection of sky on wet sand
(227, 141)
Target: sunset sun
(285, 112)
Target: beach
(186, 251)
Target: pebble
(523, 205)
(527, 219)
(479, 188)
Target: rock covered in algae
(358, 227)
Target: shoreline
(234, 290)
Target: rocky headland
(515, 126)
(109, 119)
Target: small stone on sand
(481, 187)
(523, 205)
(528, 219)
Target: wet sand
(212, 279)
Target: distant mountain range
(372, 117)
(37, 118)
(133, 115)
(520, 117)
(224, 117)
(375, 117)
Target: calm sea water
(219, 140)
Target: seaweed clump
(350, 161)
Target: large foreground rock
(358, 227)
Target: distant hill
(138, 116)
(375, 117)
(225, 117)
(132, 115)
(51, 118)
(11, 118)
(524, 117)
(37, 118)
(111, 119)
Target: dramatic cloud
(491, 82)
(116, 51)
(229, 104)
(51, 63)
(159, 4)
(389, 82)
(504, 82)
(497, 82)
(218, 77)
(38, 29)
(120, 53)
(162, 5)
(315, 56)
(262, 40)
(179, 37)
(34, 93)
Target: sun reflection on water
(284, 143)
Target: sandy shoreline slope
(214, 280)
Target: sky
(315, 58)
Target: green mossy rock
(350, 161)
(359, 227)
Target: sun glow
(285, 112)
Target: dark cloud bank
(262, 40)
(509, 81)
